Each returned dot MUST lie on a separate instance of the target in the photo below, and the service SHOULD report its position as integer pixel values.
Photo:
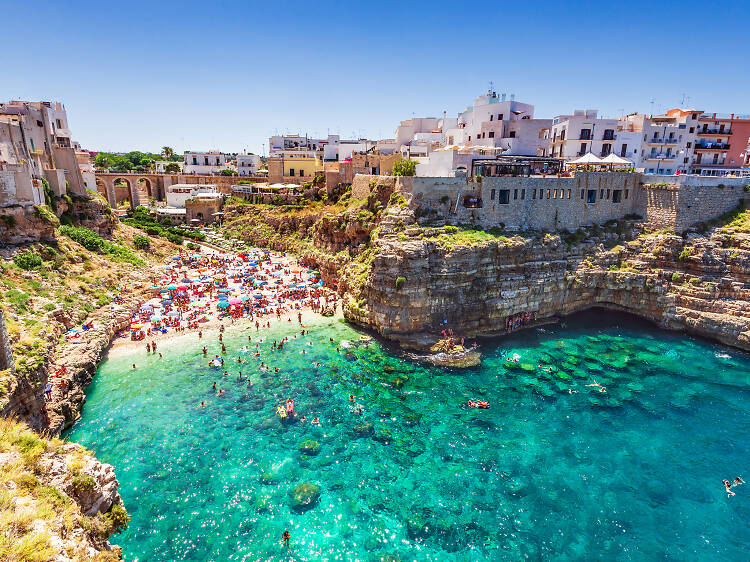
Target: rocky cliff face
(57, 502)
(420, 282)
(80, 356)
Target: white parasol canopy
(587, 158)
(615, 160)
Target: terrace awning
(587, 158)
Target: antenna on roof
(512, 97)
(491, 91)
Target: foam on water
(631, 474)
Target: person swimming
(728, 487)
(596, 384)
(738, 481)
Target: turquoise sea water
(631, 474)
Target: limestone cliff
(422, 280)
(56, 501)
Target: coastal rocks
(304, 496)
(363, 430)
(458, 360)
(482, 288)
(309, 447)
(71, 498)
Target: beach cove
(553, 468)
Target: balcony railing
(660, 140)
(712, 146)
(713, 132)
(661, 156)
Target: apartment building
(572, 136)
(204, 163)
(35, 144)
(721, 144)
(667, 142)
(247, 164)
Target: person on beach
(148, 347)
(48, 391)
(285, 539)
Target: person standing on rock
(48, 391)
(285, 539)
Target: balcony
(714, 132)
(712, 146)
(661, 156)
(659, 140)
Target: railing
(712, 146)
(608, 137)
(659, 140)
(713, 132)
(661, 156)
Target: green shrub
(676, 278)
(685, 254)
(18, 299)
(174, 238)
(117, 519)
(141, 242)
(83, 483)
(400, 282)
(192, 246)
(84, 236)
(27, 260)
(746, 188)
(43, 212)
(8, 220)
(403, 167)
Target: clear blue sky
(226, 75)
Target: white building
(662, 144)
(247, 164)
(35, 141)
(178, 193)
(572, 136)
(204, 163)
(161, 165)
(330, 149)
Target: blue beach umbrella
(223, 304)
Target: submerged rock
(363, 429)
(309, 447)
(304, 496)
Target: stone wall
(362, 184)
(521, 203)
(557, 203)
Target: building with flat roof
(204, 163)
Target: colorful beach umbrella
(223, 304)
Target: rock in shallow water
(304, 496)
(309, 447)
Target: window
(609, 134)
(583, 148)
(533, 193)
(623, 150)
(492, 134)
(608, 194)
(554, 194)
(301, 173)
(205, 160)
(601, 194)
(492, 195)
(504, 196)
(692, 129)
(606, 149)
(469, 138)
(32, 145)
(515, 194)
(562, 135)
(569, 192)
(491, 116)
(217, 161)
(626, 193)
(59, 124)
(523, 194)
(291, 171)
(548, 193)
(591, 196)
(616, 195)
(195, 161)
(512, 134)
(499, 116)
(585, 134)
(582, 194)
(685, 160)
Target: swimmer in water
(728, 487)
(133, 365)
(596, 384)
(572, 391)
(351, 398)
(203, 405)
(316, 420)
(213, 386)
(738, 481)
(204, 350)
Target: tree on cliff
(404, 167)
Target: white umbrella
(615, 160)
(587, 158)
